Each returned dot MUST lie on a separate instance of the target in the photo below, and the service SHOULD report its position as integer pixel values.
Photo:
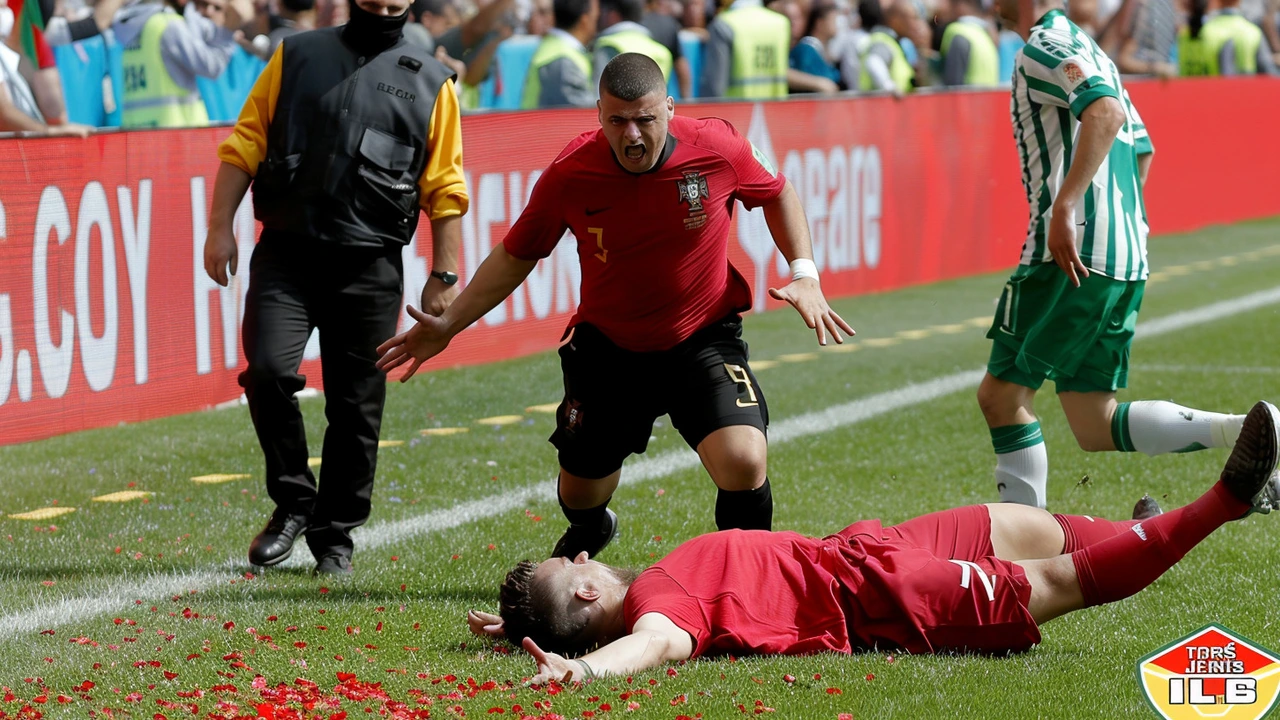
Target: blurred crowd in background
(67, 66)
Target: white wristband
(804, 268)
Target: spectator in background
(1148, 49)
(475, 43)
(884, 64)
(746, 53)
(694, 17)
(845, 50)
(969, 55)
(295, 16)
(542, 18)
(19, 111)
(1224, 43)
(560, 73)
(331, 13)
(665, 29)
(36, 63)
(164, 53)
(620, 32)
(430, 19)
(811, 71)
(59, 30)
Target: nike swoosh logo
(750, 404)
(597, 211)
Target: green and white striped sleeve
(1141, 140)
(1065, 73)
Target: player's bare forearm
(228, 190)
(496, 278)
(656, 640)
(1098, 127)
(788, 224)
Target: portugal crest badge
(693, 189)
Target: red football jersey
(653, 247)
(752, 591)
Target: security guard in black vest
(347, 133)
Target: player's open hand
(485, 624)
(1062, 243)
(426, 339)
(551, 666)
(805, 295)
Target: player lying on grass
(979, 578)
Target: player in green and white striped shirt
(1068, 312)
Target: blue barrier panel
(225, 96)
(83, 67)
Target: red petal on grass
(671, 672)
(345, 676)
(300, 644)
(64, 699)
(378, 627)
(834, 691)
(395, 558)
(844, 716)
(267, 711)
(871, 676)
(193, 656)
(679, 700)
(272, 618)
(496, 710)
(169, 675)
(492, 546)
(817, 676)
(228, 625)
(324, 591)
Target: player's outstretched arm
(790, 230)
(496, 278)
(653, 641)
(1099, 123)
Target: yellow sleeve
(247, 145)
(443, 186)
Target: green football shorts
(1077, 337)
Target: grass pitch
(146, 607)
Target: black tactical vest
(348, 141)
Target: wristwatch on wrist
(445, 277)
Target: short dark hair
(628, 10)
(569, 12)
(528, 610)
(298, 5)
(631, 76)
(871, 14)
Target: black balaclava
(370, 34)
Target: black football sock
(745, 509)
(591, 518)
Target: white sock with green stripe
(1022, 465)
(1156, 427)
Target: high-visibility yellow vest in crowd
(761, 44)
(552, 48)
(637, 42)
(984, 59)
(900, 71)
(1200, 56)
(151, 96)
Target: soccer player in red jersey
(649, 198)
(979, 578)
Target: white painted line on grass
(121, 597)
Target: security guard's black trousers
(353, 296)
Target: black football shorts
(612, 396)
